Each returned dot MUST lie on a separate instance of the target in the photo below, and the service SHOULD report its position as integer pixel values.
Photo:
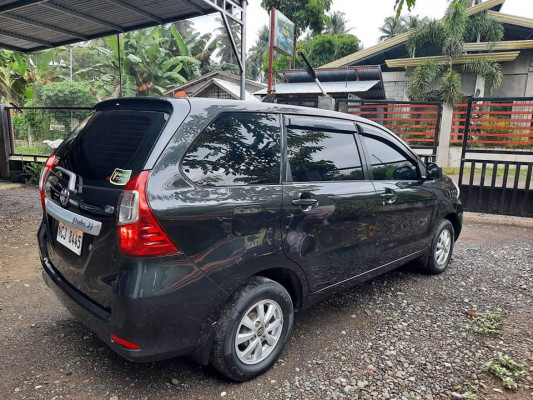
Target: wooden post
(5, 142)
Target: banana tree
(13, 76)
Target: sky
(364, 16)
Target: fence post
(5, 142)
(443, 151)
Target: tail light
(50, 163)
(139, 233)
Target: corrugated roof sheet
(31, 25)
(329, 87)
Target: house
(345, 83)
(514, 52)
(216, 84)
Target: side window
(236, 149)
(320, 155)
(386, 161)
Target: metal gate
(497, 156)
(417, 123)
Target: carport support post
(243, 50)
(5, 142)
(443, 151)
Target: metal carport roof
(31, 25)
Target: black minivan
(198, 227)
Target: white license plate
(69, 237)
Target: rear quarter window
(236, 149)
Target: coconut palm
(222, 42)
(257, 53)
(338, 24)
(442, 81)
(393, 26)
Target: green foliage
(306, 14)
(66, 94)
(449, 36)
(337, 24)
(398, 6)
(323, 49)
(34, 170)
(488, 324)
(419, 87)
(506, 368)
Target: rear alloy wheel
(253, 329)
(440, 252)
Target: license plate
(69, 237)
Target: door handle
(304, 202)
(389, 196)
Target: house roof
(31, 25)
(415, 61)
(329, 87)
(253, 86)
(395, 47)
(231, 88)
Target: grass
(488, 324)
(505, 368)
(32, 150)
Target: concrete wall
(395, 84)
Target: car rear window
(110, 141)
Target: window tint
(236, 149)
(387, 162)
(319, 155)
(112, 139)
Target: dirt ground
(400, 336)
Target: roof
(365, 81)
(329, 87)
(251, 85)
(415, 61)
(398, 42)
(233, 89)
(31, 25)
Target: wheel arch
(456, 222)
(289, 280)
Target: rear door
(81, 192)
(406, 206)
(328, 216)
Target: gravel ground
(402, 335)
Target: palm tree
(338, 24)
(392, 26)
(223, 43)
(442, 81)
(257, 53)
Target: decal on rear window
(120, 176)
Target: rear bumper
(174, 321)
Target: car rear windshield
(111, 141)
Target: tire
(435, 262)
(244, 361)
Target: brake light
(50, 163)
(124, 343)
(139, 234)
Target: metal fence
(37, 131)
(496, 125)
(497, 155)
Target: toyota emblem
(64, 197)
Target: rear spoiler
(136, 103)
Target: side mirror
(433, 170)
